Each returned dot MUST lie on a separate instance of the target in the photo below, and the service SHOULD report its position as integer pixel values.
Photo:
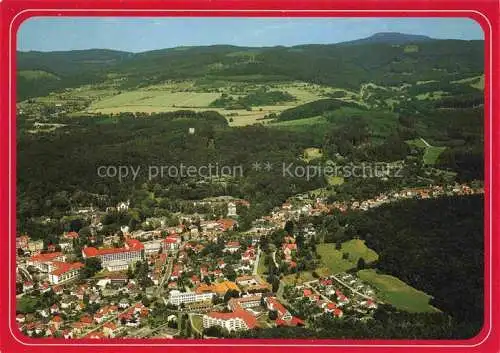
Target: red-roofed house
(133, 251)
(195, 280)
(226, 224)
(284, 316)
(109, 329)
(221, 264)
(232, 246)
(64, 271)
(43, 261)
(71, 235)
(133, 244)
(67, 334)
(56, 322)
(248, 255)
(370, 304)
(54, 309)
(86, 320)
(171, 242)
(338, 313)
(273, 304)
(326, 282)
(288, 248)
(95, 335)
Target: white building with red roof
(131, 252)
(226, 224)
(237, 320)
(43, 261)
(64, 271)
(249, 255)
(232, 246)
(284, 316)
(171, 242)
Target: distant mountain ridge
(394, 38)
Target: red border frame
(486, 12)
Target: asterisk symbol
(256, 166)
(268, 166)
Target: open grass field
(432, 154)
(356, 248)
(335, 180)
(37, 74)
(312, 153)
(264, 322)
(197, 321)
(475, 82)
(198, 96)
(106, 273)
(332, 258)
(262, 268)
(305, 276)
(397, 293)
(432, 95)
(300, 123)
(417, 143)
(134, 100)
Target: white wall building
(152, 247)
(177, 298)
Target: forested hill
(386, 59)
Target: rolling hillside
(383, 59)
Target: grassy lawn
(332, 258)
(397, 293)
(356, 248)
(431, 95)
(312, 153)
(156, 98)
(197, 321)
(475, 82)
(37, 74)
(262, 268)
(300, 123)
(432, 154)
(417, 143)
(264, 322)
(192, 95)
(305, 276)
(106, 273)
(335, 180)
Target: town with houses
(202, 278)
